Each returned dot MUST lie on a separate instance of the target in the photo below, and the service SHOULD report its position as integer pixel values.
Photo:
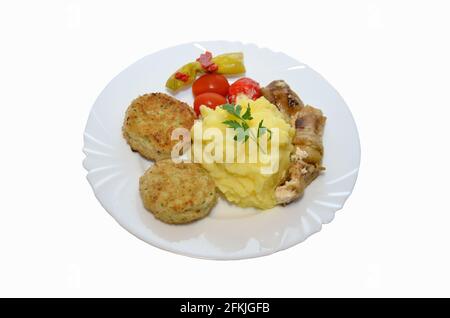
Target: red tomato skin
(211, 83)
(211, 100)
(245, 86)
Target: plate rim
(249, 255)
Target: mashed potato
(245, 184)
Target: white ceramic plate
(229, 232)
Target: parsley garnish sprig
(241, 126)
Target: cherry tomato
(211, 100)
(245, 86)
(211, 83)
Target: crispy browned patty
(150, 120)
(177, 192)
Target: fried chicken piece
(306, 161)
(280, 94)
(309, 122)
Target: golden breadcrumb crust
(177, 193)
(150, 120)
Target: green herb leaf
(230, 109)
(238, 110)
(248, 114)
(260, 129)
(232, 124)
(242, 134)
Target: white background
(388, 59)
